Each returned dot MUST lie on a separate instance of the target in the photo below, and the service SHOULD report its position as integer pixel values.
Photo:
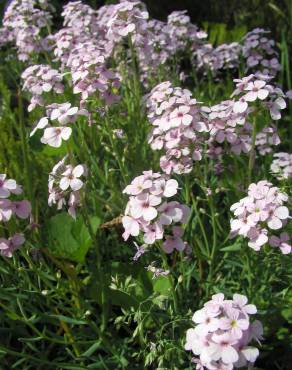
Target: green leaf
(91, 349)
(36, 339)
(123, 299)
(68, 320)
(231, 248)
(162, 285)
(69, 238)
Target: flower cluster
(267, 138)
(8, 208)
(39, 79)
(64, 114)
(182, 32)
(230, 127)
(90, 75)
(254, 88)
(156, 271)
(79, 16)
(180, 127)
(223, 333)
(225, 56)
(281, 166)
(261, 213)
(83, 48)
(65, 186)
(22, 23)
(126, 19)
(149, 211)
(259, 52)
(230, 120)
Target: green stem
(26, 165)
(200, 223)
(136, 79)
(114, 148)
(252, 151)
(170, 279)
(104, 315)
(214, 244)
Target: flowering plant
(223, 332)
(8, 207)
(260, 213)
(65, 186)
(149, 211)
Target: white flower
(70, 178)
(256, 90)
(276, 219)
(7, 186)
(53, 136)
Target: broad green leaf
(123, 299)
(162, 285)
(69, 238)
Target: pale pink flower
(131, 227)
(73, 202)
(65, 186)
(257, 90)
(242, 225)
(198, 344)
(7, 186)
(240, 301)
(282, 165)
(223, 332)
(180, 116)
(70, 178)
(276, 107)
(156, 271)
(174, 242)
(7, 247)
(140, 250)
(137, 186)
(235, 322)
(64, 113)
(222, 348)
(5, 210)
(261, 210)
(247, 355)
(152, 233)
(257, 238)
(282, 242)
(22, 208)
(144, 206)
(207, 322)
(43, 122)
(53, 136)
(240, 106)
(170, 212)
(180, 127)
(215, 304)
(277, 216)
(256, 331)
(162, 187)
(145, 213)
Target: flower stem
(170, 279)
(252, 151)
(26, 166)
